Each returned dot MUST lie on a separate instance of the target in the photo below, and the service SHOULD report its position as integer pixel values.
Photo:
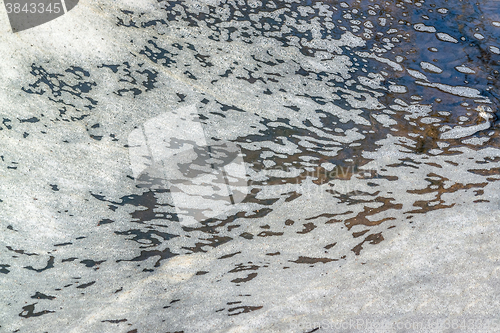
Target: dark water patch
(309, 260)
(21, 251)
(162, 254)
(29, 311)
(243, 309)
(50, 264)
(39, 295)
(3, 269)
(86, 285)
(372, 239)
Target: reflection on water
(352, 118)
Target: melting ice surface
(341, 163)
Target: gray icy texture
(359, 207)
